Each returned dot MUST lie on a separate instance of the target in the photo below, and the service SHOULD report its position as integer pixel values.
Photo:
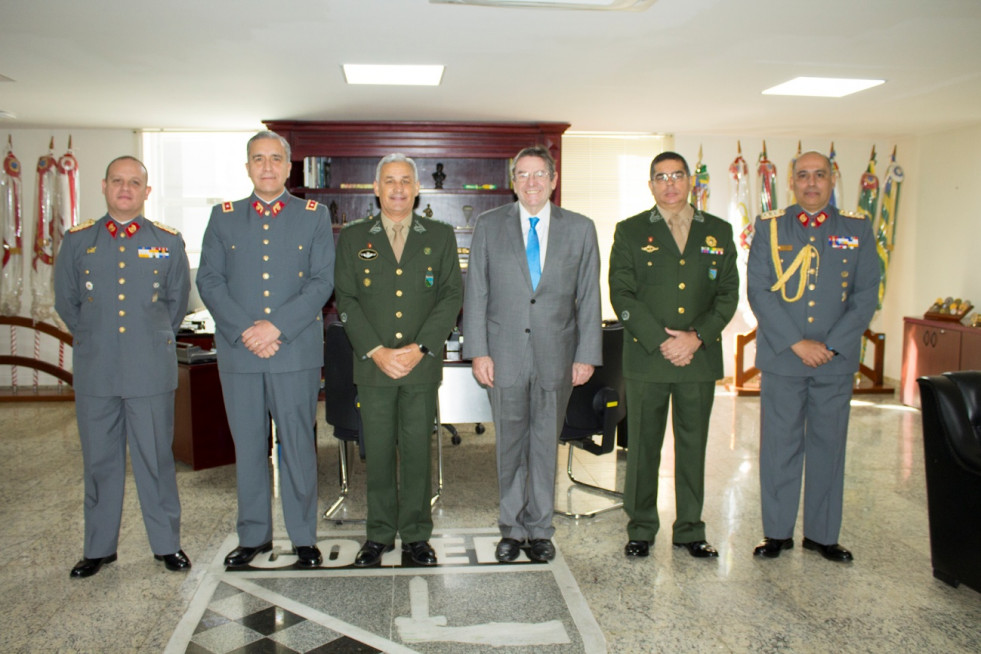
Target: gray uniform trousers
(105, 424)
(527, 423)
(804, 427)
(291, 398)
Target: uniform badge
(713, 273)
(154, 253)
(367, 254)
(311, 205)
(343, 317)
(90, 250)
(427, 250)
(713, 250)
(625, 315)
(226, 207)
(429, 279)
(710, 241)
(843, 242)
(650, 248)
(367, 281)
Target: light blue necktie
(533, 252)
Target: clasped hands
(680, 347)
(397, 362)
(262, 339)
(812, 353)
(483, 371)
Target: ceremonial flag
(837, 192)
(885, 227)
(12, 277)
(47, 237)
(68, 188)
(868, 190)
(739, 198)
(791, 197)
(766, 173)
(700, 189)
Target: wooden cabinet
(931, 347)
(472, 155)
(202, 438)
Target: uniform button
(265, 294)
(121, 297)
(265, 275)
(398, 271)
(650, 263)
(265, 226)
(681, 309)
(265, 241)
(267, 310)
(527, 331)
(122, 248)
(398, 314)
(812, 239)
(398, 334)
(301, 273)
(636, 341)
(122, 280)
(844, 260)
(265, 257)
(398, 293)
(533, 301)
(122, 313)
(267, 213)
(301, 247)
(367, 271)
(844, 284)
(811, 303)
(681, 286)
(844, 273)
(122, 264)
(122, 330)
(811, 287)
(810, 319)
(86, 272)
(682, 262)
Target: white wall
(94, 149)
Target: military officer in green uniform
(399, 291)
(674, 285)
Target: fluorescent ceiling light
(601, 5)
(393, 75)
(823, 87)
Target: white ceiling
(682, 66)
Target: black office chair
(341, 405)
(951, 406)
(598, 408)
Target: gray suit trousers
(105, 424)
(527, 422)
(804, 426)
(291, 398)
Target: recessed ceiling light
(601, 5)
(823, 87)
(393, 75)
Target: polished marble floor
(887, 601)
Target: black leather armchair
(951, 405)
(598, 408)
(341, 405)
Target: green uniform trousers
(398, 426)
(647, 415)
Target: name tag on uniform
(843, 242)
(154, 253)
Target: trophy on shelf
(467, 215)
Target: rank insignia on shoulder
(853, 214)
(367, 254)
(226, 207)
(710, 241)
(650, 248)
(166, 228)
(79, 227)
(311, 205)
(774, 213)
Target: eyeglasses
(524, 176)
(676, 176)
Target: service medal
(710, 241)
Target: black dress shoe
(637, 548)
(833, 552)
(243, 555)
(88, 567)
(308, 556)
(541, 550)
(421, 552)
(371, 553)
(699, 549)
(771, 547)
(177, 562)
(507, 550)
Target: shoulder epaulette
(227, 207)
(166, 228)
(774, 213)
(853, 214)
(311, 205)
(79, 227)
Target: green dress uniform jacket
(654, 286)
(389, 303)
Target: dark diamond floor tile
(270, 620)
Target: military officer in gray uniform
(813, 281)
(121, 287)
(399, 293)
(674, 284)
(267, 266)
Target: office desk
(461, 399)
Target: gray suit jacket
(558, 323)
(278, 268)
(123, 299)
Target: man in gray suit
(121, 287)
(813, 279)
(267, 270)
(531, 324)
